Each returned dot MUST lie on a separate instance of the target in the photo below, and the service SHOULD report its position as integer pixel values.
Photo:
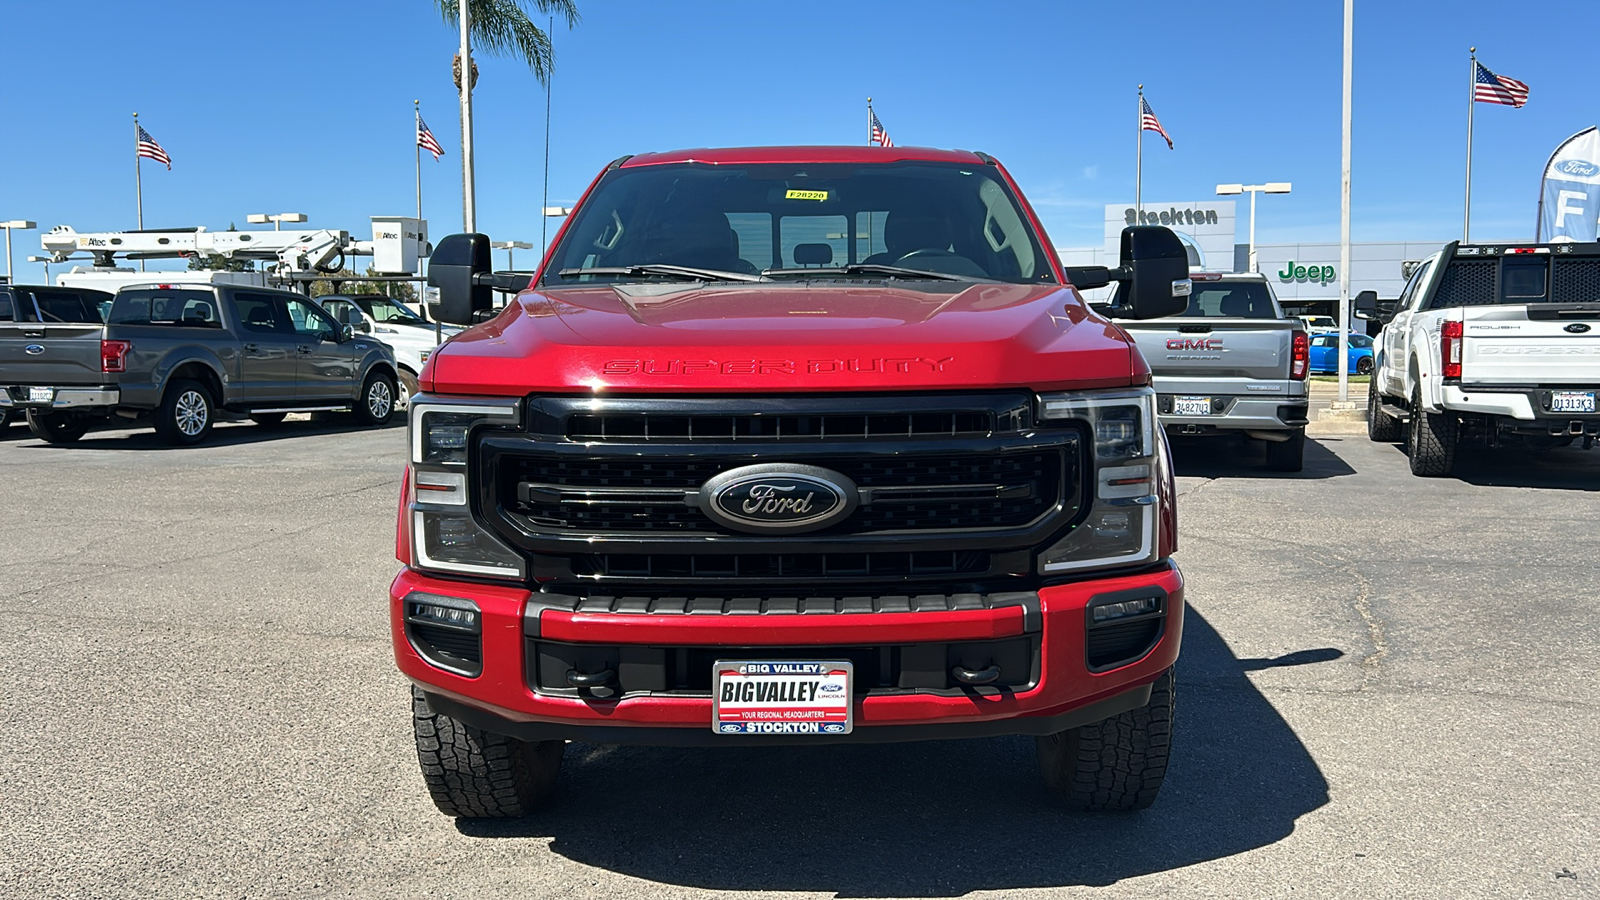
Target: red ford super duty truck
(796, 445)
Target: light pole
(511, 248)
(10, 226)
(46, 261)
(277, 220)
(1271, 187)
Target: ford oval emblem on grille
(778, 497)
(1577, 328)
(33, 349)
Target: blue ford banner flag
(1569, 196)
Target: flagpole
(138, 184)
(1472, 103)
(417, 139)
(869, 121)
(1138, 164)
(469, 212)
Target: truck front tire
(56, 427)
(376, 403)
(1431, 439)
(1114, 765)
(1289, 455)
(1381, 427)
(474, 774)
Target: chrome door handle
(252, 348)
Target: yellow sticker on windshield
(806, 195)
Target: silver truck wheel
(185, 414)
(409, 385)
(377, 399)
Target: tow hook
(581, 680)
(975, 676)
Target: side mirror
(456, 268)
(347, 333)
(1086, 277)
(1154, 272)
(1364, 305)
(363, 326)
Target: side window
(258, 313)
(309, 321)
(1413, 294)
(343, 311)
(6, 313)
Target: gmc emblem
(1194, 343)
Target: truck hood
(787, 337)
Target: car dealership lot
(1387, 689)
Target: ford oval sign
(778, 497)
(33, 349)
(1577, 328)
(1579, 167)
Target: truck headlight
(1128, 464)
(446, 535)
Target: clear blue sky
(306, 107)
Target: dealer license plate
(41, 395)
(778, 697)
(1572, 401)
(1191, 406)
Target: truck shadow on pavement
(1237, 457)
(1566, 469)
(224, 434)
(938, 819)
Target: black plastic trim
(1138, 593)
(863, 734)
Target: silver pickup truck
(1231, 364)
(181, 352)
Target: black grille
(784, 565)
(1006, 491)
(1113, 645)
(633, 427)
(1467, 282)
(449, 647)
(1575, 280)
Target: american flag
(879, 135)
(426, 140)
(1487, 87)
(149, 149)
(1149, 122)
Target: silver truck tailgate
(1183, 348)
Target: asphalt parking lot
(1387, 690)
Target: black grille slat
(782, 565)
(1575, 280)
(651, 427)
(1034, 477)
(1116, 644)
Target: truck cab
(790, 445)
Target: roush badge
(778, 497)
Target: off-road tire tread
(1117, 764)
(475, 774)
(1288, 456)
(1431, 440)
(1381, 427)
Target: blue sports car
(1325, 353)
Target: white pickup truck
(412, 338)
(1495, 343)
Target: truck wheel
(56, 427)
(1381, 426)
(268, 419)
(1431, 439)
(5, 419)
(409, 385)
(1115, 765)
(376, 402)
(473, 774)
(1287, 456)
(185, 414)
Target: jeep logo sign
(1578, 167)
(778, 497)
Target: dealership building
(1304, 276)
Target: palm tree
(504, 28)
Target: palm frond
(505, 28)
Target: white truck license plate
(1572, 401)
(41, 395)
(779, 697)
(1191, 406)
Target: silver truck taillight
(446, 536)
(1128, 461)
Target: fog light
(448, 616)
(1109, 612)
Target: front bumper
(15, 397)
(1066, 692)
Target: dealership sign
(1569, 194)
(1171, 216)
(1318, 274)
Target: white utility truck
(1495, 343)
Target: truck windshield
(150, 306)
(1231, 300)
(800, 220)
(382, 309)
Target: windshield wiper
(875, 269)
(686, 272)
